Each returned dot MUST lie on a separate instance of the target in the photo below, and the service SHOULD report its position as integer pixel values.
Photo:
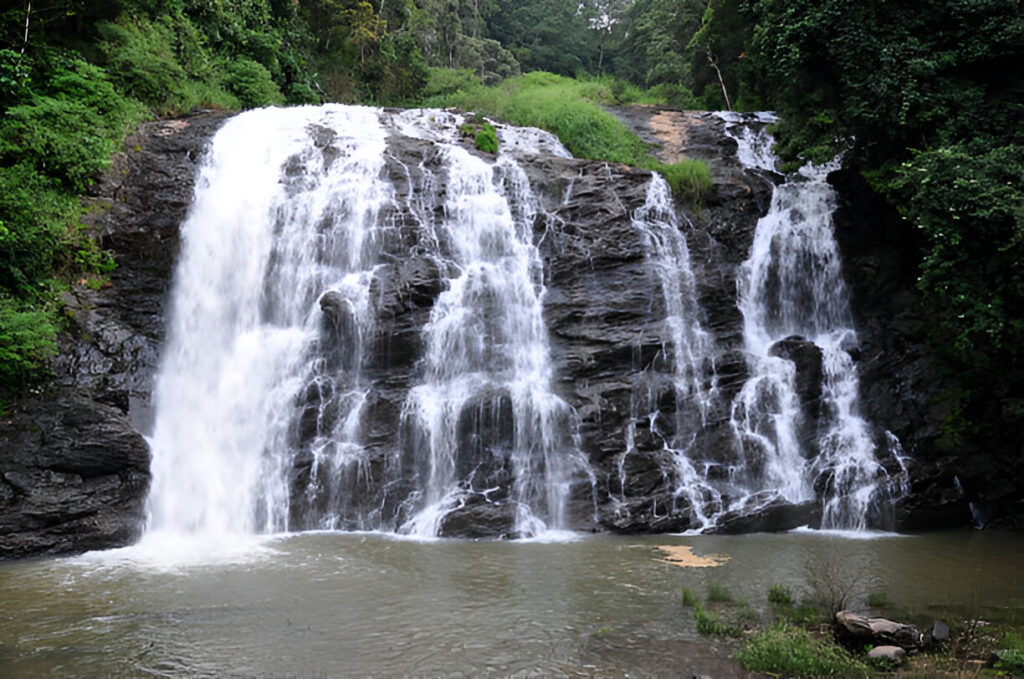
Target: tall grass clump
(719, 592)
(569, 109)
(710, 625)
(791, 651)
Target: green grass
(793, 652)
(570, 109)
(719, 592)
(711, 625)
(780, 595)
(689, 597)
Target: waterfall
(688, 351)
(358, 339)
(797, 417)
(271, 379)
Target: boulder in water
(477, 517)
(776, 517)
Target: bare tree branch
(714, 65)
(28, 13)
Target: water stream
(797, 417)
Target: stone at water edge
(879, 630)
(938, 634)
(890, 654)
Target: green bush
(1011, 658)
(34, 217)
(301, 93)
(27, 341)
(711, 625)
(793, 652)
(141, 57)
(689, 597)
(69, 128)
(251, 82)
(689, 179)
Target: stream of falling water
(801, 435)
(273, 320)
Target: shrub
(689, 179)
(711, 625)
(140, 55)
(27, 341)
(790, 651)
(251, 83)
(689, 597)
(34, 216)
(1011, 658)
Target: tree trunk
(714, 65)
(28, 13)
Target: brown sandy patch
(683, 556)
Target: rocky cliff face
(74, 465)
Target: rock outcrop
(74, 466)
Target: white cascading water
(688, 349)
(791, 289)
(240, 323)
(487, 349)
(272, 315)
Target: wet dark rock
(74, 469)
(479, 517)
(775, 517)
(73, 477)
(806, 356)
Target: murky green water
(343, 604)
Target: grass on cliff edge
(569, 108)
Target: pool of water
(327, 604)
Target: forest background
(924, 99)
